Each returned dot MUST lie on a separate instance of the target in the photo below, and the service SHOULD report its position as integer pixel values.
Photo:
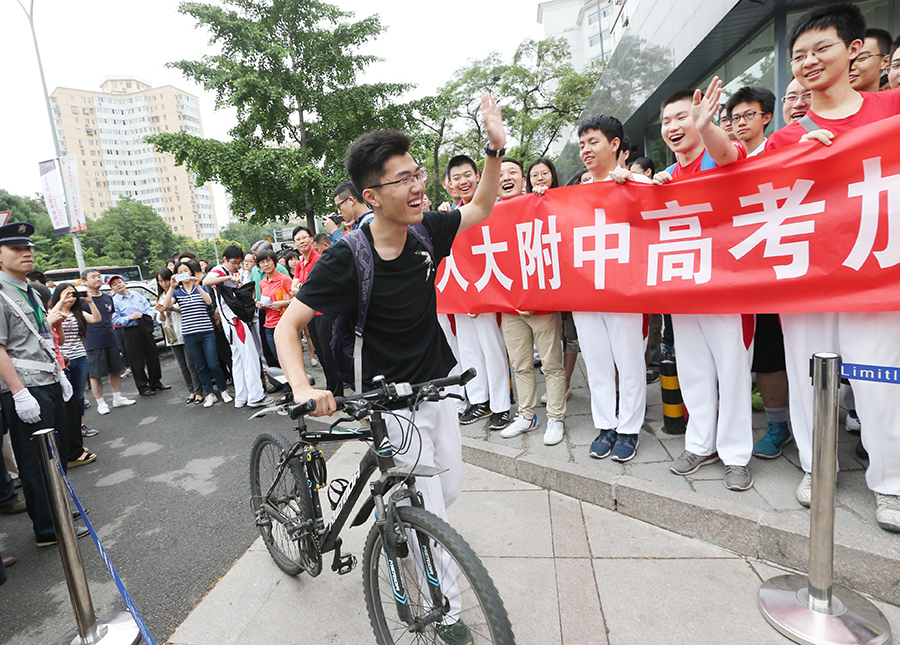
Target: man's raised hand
(493, 122)
(704, 108)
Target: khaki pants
(521, 335)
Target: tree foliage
(290, 69)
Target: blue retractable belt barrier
(879, 373)
(145, 633)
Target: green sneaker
(455, 634)
(756, 399)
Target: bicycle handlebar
(387, 392)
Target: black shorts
(768, 345)
(105, 361)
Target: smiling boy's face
(678, 130)
(511, 180)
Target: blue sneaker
(778, 435)
(603, 444)
(625, 447)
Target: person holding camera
(135, 316)
(352, 211)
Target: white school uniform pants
(609, 341)
(438, 442)
(862, 338)
(447, 328)
(713, 355)
(244, 358)
(481, 346)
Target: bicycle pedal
(345, 564)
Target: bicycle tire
(291, 497)
(481, 610)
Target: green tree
(245, 235)
(290, 68)
(130, 233)
(51, 251)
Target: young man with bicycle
(402, 338)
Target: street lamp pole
(79, 256)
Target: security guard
(31, 393)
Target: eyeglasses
(341, 203)
(406, 182)
(725, 120)
(799, 58)
(747, 116)
(863, 57)
(793, 98)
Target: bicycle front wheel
(290, 497)
(470, 610)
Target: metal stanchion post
(120, 629)
(812, 609)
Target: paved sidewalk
(568, 572)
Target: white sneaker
(102, 407)
(520, 425)
(888, 512)
(314, 362)
(266, 400)
(239, 405)
(804, 490)
(555, 432)
(122, 402)
(226, 397)
(126, 373)
(209, 401)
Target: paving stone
(567, 522)
(569, 479)
(491, 456)
(519, 523)
(580, 614)
(776, 480)
(716, 488)
(659, 472)
(527, 588)
(481, 479)
(650, 449)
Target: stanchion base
(118, 629)
(783, 602)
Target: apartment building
(106, 131)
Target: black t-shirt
(402, 339)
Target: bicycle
(421, 580)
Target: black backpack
(347, 340)
(241, 300)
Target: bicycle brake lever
(335, 424)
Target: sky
(83, 41)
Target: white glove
(66, 386)
(27, 407)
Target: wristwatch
(493, 153)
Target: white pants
(864, 338)
(609, 341)
(245, 365)
(713, 355)
(444, 322)
(481, 346)
(438, 442)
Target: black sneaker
(499, 420)
(475, 412)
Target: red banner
(802, 229)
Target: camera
(80, 293)
(334, 217)
(181, 277)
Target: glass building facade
(669, 45)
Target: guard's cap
(17, 234)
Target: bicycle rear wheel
(290, 497)
(474, 614)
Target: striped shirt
(194, 312)
(73, 347)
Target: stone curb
(861, 562)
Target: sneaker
(126, 373)
(625, 447)
(888, 512)
(737, 478)
(80, 532)
(14, 509)
(756, 399)
(778, 435)
(87, 404)
(688, 462)
(520, 425)
(544, 396)
(555, 432)
(603, 444)
(238, 405)
(475, 412)
(314, 362)
(263, 402)
(102, 407)
(122, 402)
(652, 375)
(226, 397)
(852, 423)
(88, 432)
(210, 400)
(455, 634)
(499, 420)
(861, 451)
(804, 490)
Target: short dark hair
(192, 265)
(299, 228)
(321, 237)
(164, 273)
(609, 125)
(367, 155)
(266, 254)
(36, 276)
(883, 38)
(576, 178)
(846, 18)
(77, 311)
(233, 252)
(347, 189)
(554, 182)
(646, 163)
(757, 94)
(624, 147)
(86, 272)
(461, 160)
(515, 161)
(674, 97)
(187, 254)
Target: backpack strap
(362, 255)
(706, 163)
(807, 122)
(421, 233)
